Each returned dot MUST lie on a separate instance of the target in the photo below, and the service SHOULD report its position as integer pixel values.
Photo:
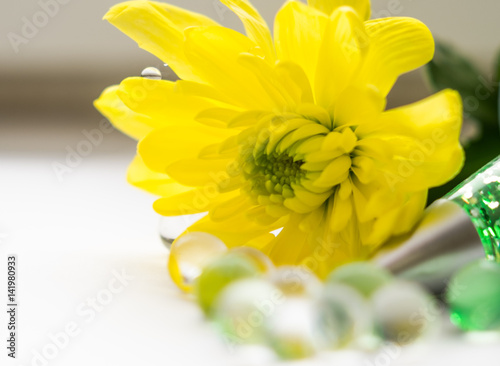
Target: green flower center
(272, 174)
(295, 162)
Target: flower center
(295, 162)
(272, 174)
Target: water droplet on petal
(151, 73)
(189, 254)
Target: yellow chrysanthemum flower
(290, 133)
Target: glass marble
(261, 260)
(291, 331)
(403, 312)
(243, 307)
(218, 273)
(479, 196)
(473, 295)
(296, 281)
(171, 227)
(343, 316)
(365, 277)
(189, 254)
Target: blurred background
(57, 56)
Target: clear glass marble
(291, 331)
(243, 308)
(262, 261)
(188, 256)
(219, 273)
(403, 312)
(343, 315)
(365, 277)
(296, 281)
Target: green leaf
(450, 69)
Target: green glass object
(217, 274)
(479, 196)
(365, 277)
(474, 296)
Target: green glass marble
(479, 196)
(218, 274)
(365, 277)
(474, 296)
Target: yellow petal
(277, 134)
(358, 105)
(335, 172)
(141, 176)
(269, 81)
(229, 208)
(424, 141)
(237, 230)
(309, 130)
(341, 213)
(197, 173)
(396, 46)
(298, 206)
(362, 7)
(158, 28)
(217, 117)
(191, 202)
(213, 52)
(279, 250)
(339, 56)
(159, 100)
(298, 34)
(383, 228)
(123, 118)
(165, 146)
(295, 80)
(309, 198)
(194, 89)
(255, 26)
(411, 212)
(315, 112)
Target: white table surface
(71, 236)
